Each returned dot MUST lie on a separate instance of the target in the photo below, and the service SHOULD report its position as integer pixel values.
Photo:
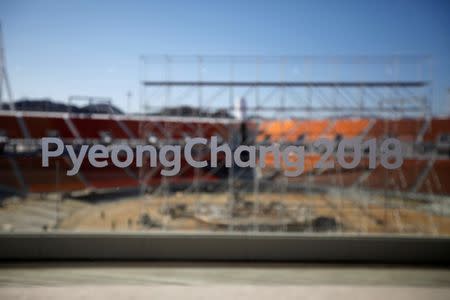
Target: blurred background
(250, 73)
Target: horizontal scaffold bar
(348, 84)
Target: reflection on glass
(291, 110)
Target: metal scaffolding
(281, 93)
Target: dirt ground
(200, 212)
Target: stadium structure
(241, 100)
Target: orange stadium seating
(145, 129)
(53, 178)
(133, 126)
(437, 128)
(109, 177)
(39, 127)
(92, 128)
(437, 180)
(402, 179)
(349, 128)
(214, 129)
(406, 129)
(9, 126)
(7, 177)
(309, 163)
(292, 130)
(313, 129)
(50, 179)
